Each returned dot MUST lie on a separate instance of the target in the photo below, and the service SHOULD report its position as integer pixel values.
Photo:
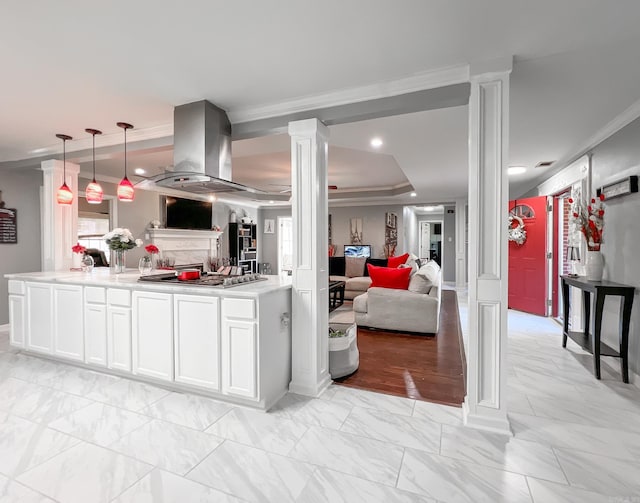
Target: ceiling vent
(544, 164)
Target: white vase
(76, 261)
(594, 265)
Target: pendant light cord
(94, 156)
(125, 152)
(64, 161)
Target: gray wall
(448, 259)
(268, 243)
(20, 190)
(615, 158)
(410, 230)
(449, 244)
(373, 226)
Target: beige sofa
(353, 286)
(402, 310)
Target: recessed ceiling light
(413, 194)
(139, 171)
(271, 202)
(212, 198)
(516, 170)
(376, 142)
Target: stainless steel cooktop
(207, 280)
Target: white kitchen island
(232, 344)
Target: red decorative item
(389, 277)
(152, 249)
(125, 187)
(589, 220)
(397, 261)
(78, 248)
(94, 193)
(188, 274)
(64, 194)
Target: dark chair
(99, 258)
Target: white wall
(20, 190)
(410, 230)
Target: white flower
(138, 242)
(124, 239)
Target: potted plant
(588, 218)
(120, 240)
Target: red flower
(593, 200)
(152, 249)
(589, 209)
(601, 197)
(575, 215)
(600, 213)
(78, 248)
(571, 200)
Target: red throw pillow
(397, 261)
(389, 277)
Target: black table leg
(565, 308)
(586, 302)
(342, 295)
(625, 319)
(597, 332)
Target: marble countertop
(129, 279)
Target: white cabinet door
(119, 338)
(95, 334)
(197, 340)
(39, 317)
(16, 320)
(68, 326)
(239, 362)
(153, 335)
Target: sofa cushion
(354, 266)
(388, 277)
(396, 261)
(338, 278)
(419, 284)
(379, 262)
(430, 271)
(359, 283)
(336, 266)
(360, 303)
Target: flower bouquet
(76, 259)
(120, 240)
(588, 218)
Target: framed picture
(269, 226)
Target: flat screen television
(357, 251)
(182, 213)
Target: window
(91, 228)
(523, 211)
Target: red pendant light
(64, 194)
(94, 192)
(125, 187)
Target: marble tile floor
(71, 435)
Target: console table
(594, 345)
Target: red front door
(527, 262)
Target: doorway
(430, 240)
(285, 245)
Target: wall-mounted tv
(180, 213)
(357, 250)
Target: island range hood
(201, 152)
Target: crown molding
(612, 127)
(384, 89)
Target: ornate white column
(461, 245)
(485, 403)
(310, 301)
(59, 222)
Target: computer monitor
(357, 251)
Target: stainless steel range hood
(201, 152)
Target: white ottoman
(344, 357)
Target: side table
(591, 342)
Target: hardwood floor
(430, 368)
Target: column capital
(489, 69)
(53, 165)
(308, 127)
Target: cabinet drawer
(16, 287)
(239, 308)
(95, 295)
(117, 297)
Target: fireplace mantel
(186, 246)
